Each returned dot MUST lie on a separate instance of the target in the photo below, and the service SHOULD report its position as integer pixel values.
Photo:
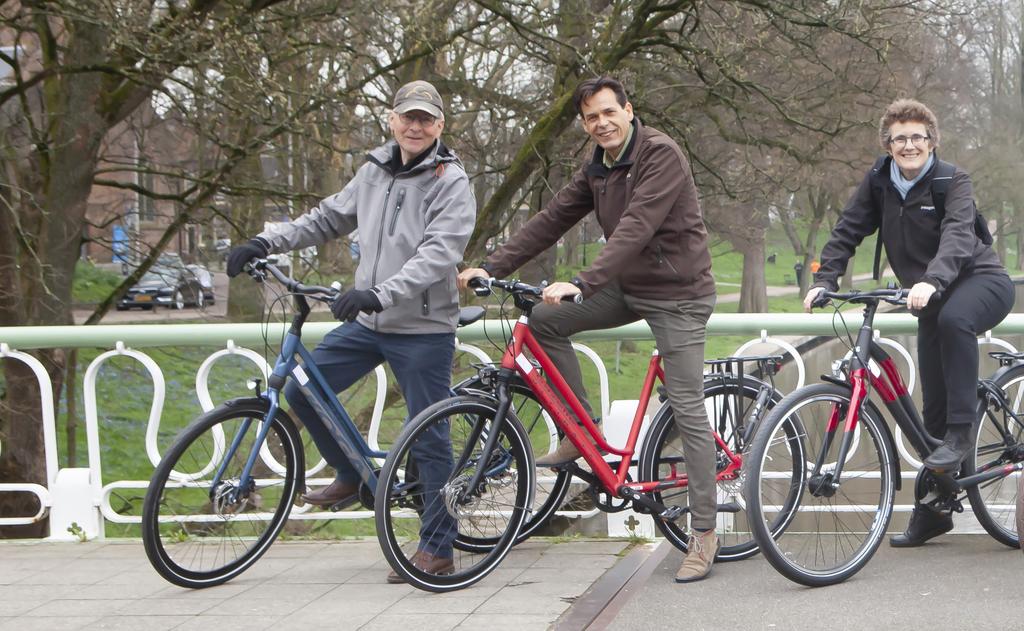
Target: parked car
(222, 246)
(170, 260)
(173, 287)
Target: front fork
(493, 432)
(246, 483)
(828, 484)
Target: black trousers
(947, 346)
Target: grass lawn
(91, 284)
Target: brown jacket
(646, 204)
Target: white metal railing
(77, 495)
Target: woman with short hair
(958, 287)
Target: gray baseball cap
(419, 95)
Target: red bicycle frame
(893, 392)
(613, 481)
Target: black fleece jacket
(919, 247)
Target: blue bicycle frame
(316, 390)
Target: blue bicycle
(224, 490)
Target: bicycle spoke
(838, 523)
(430, 507)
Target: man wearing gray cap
(414, 209)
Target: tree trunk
(846, 282)
(753, 289)
(543, 266)
(23, 458)
(42, 234)
(820, 204)
(1020, 249)
(71, 397)
(245, 297)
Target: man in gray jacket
(415, 211)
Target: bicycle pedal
(568, 466)
(343, 504)
(672, 513)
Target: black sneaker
(924, 524)
(954, 448)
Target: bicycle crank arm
(659, 510)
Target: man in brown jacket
(655, 265)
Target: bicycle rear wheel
(1000, 441)
(423, 505)
(551, 485)
(728, 407)
(200, 533)
(838, 525)
(1020, 506)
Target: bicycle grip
(481, 286)
(575, 298)
(821, 300)
(253, 268)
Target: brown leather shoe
(332, 494)
(565, 453)
(702, 549)
(426, 562)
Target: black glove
(242, 254)
(348, 305)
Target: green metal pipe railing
(150, 335)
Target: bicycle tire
(1020, 507)
(551, 485)
(851, 531)
(662, 453)
(495, 511)
(999, 441)
(198, 546)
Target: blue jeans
(422, 365)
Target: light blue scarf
(902, 184)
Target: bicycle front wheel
(551, 485)
(1000, 441)
(729, 408)
(423, 502)
(199, 526)
(839, 521)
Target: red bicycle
(490, 489)
(846, 473)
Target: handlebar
(892, 296)
(258, 269)
(482, 287)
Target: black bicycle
(848, 472)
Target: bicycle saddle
(469, 315)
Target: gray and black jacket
(414, 224)
(920, 246)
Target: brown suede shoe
(426, 562)
(565, 453)
(332, 494)
(702, 550)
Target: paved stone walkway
(313, 585)
(954, 582)
(959, 581)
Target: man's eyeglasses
(901, 141)
(409, 118)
